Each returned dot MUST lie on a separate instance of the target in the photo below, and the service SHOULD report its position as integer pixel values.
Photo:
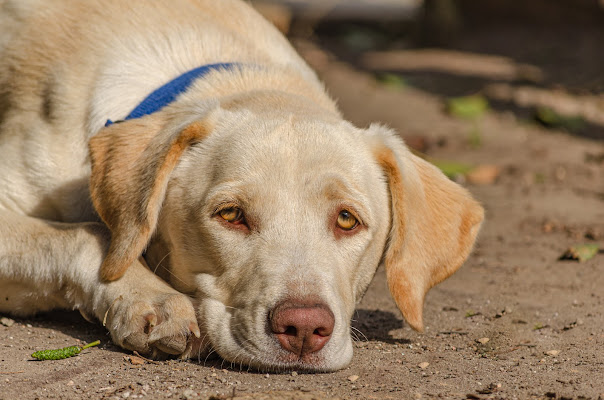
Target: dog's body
(265, 214)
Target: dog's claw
(151, 322)
(195, 329)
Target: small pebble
(483, 340)
(294, 373)
(552, 353)
(7, 321)
(423, 365)
(353, 378)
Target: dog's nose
(302, 327)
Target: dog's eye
(232, 214)
(347, 221)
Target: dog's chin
(312, 363)
(272, 359)
(283, 363)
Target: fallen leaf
(134, 360)
(483, 174)
(551, 119)
(392, 81)
(452, 169)
(581, 252)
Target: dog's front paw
(159, 325)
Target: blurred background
(541, 61)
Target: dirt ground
(513, 322)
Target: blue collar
(167, 93)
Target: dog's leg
(46, 265)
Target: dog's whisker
(354, 331)
(202, 348)
(160, 261)
(173, 275)
(212, 351)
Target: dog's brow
(336, 187)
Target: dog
(175, 171)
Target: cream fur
(80, 203)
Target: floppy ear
(434, 223)
(131, 166)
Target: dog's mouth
(204, 352)
(280, 364)
(262, 347)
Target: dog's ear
(131, 166)
(434, 223)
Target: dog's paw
(161, 325)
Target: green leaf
(551, 119)
(581, 252)
(392, 81)
(59, 354)
(452, 169)
(467, 107)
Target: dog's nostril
(322, 332)
(302, 327)
(290, 330)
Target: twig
(145, 358)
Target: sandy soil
(514, 322)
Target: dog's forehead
(282, 147)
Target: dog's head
(274, 215)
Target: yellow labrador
(261, 214)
